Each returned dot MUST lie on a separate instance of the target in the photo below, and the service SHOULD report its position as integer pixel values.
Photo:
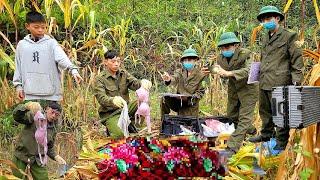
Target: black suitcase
(171, 124)
(295, 106)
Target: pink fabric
(214, 124)
(143, 106)
(41, 136)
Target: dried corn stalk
(255, 31)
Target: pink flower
(126, 153)
(177, 154)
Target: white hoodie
(37, 68)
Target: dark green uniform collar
(107, 73)
(276, 35)
(236, 54)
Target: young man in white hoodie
(38, 61)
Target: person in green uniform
(26, 154)
(234, 63)
(111, 89)
(281, 65)
(187, 82)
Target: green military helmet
(228, 38)
(269, 10)
(189, 53)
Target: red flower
(108, 173)
(147, 162)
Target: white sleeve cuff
(74, 71)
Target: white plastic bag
(208, 132)
(124, 120)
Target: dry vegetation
(147, 47)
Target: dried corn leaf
(229, 178)
(9, 177)
(286, 8)
(72, 174)
(240, 171)
(93, 156)
(88, 44)
(311, 54)
(6, 5)
(315, 75)
(317, 10)
(239, 176)
(270, 162)
(89, 145)
(87, 171)
(101, 142)
(255, 31)
(13, 166)
(8, 41)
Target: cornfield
(150, 36)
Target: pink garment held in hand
(41, 136)
(143, 107)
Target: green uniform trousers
(268, 127)
(37, 172)
(110, 120)
(240, 109)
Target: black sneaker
(259, 138)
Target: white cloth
(208, 132)
(124, 121)
(185, 131)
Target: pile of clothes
(210, 128)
